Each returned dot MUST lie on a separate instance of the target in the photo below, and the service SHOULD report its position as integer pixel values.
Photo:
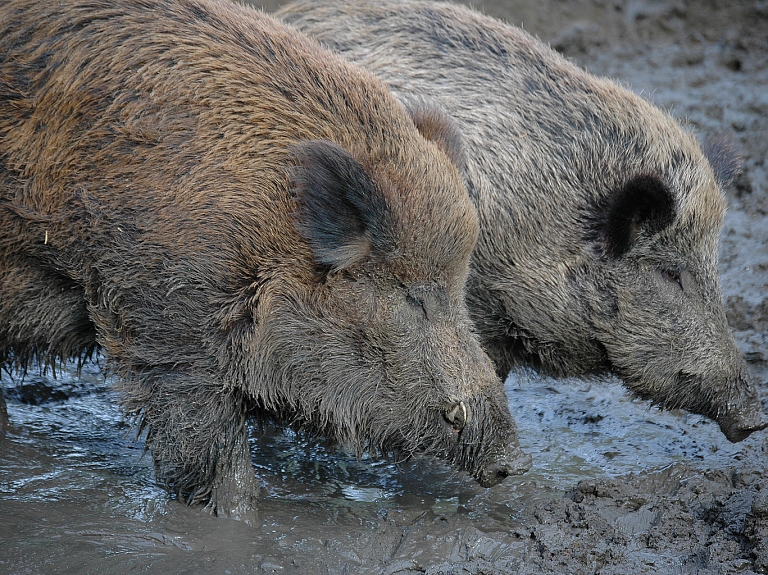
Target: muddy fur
(245, 225)
(599, 214)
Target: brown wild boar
(246, 225)
(599, 215)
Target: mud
(617, 486)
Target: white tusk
(452, 413)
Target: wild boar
(599, 215)
(244, 224)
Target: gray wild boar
(599, 215)
(245, 224)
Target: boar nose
(512, 462)
(743, 423)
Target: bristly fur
(596, 208)
(172, 175)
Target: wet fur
(244, 224)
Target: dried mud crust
(666, 522)
(706, 62)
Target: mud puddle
(617, 487)
(77, 495)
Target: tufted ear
(340, 209)
(436, 126)
(724, 156)
(643, 204)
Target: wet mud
(617, 486)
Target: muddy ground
(617, 487)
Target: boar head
(378, 345)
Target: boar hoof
(240, 507)
(512, 462)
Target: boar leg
(44, 316)
(3, 415)
(196, 432)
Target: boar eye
(417, 303)
(673, 275)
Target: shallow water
(77, 495)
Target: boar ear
(340, 210)
(724, 156)
(643, 203)
(436, 126)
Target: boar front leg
(196, 432)
(43, 315)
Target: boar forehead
(377, 288)
(702, 206)
(434, 222)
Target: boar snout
(512, 462)
(740, 423)
(487, 439)
(736, 409)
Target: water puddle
(76, 489)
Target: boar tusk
(451, 415)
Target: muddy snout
(486, 438)
(732, 401)
(741, 424)
(512, 462)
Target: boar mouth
(457, 416)
(470, 428)
(738, 414)
(512, 462)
